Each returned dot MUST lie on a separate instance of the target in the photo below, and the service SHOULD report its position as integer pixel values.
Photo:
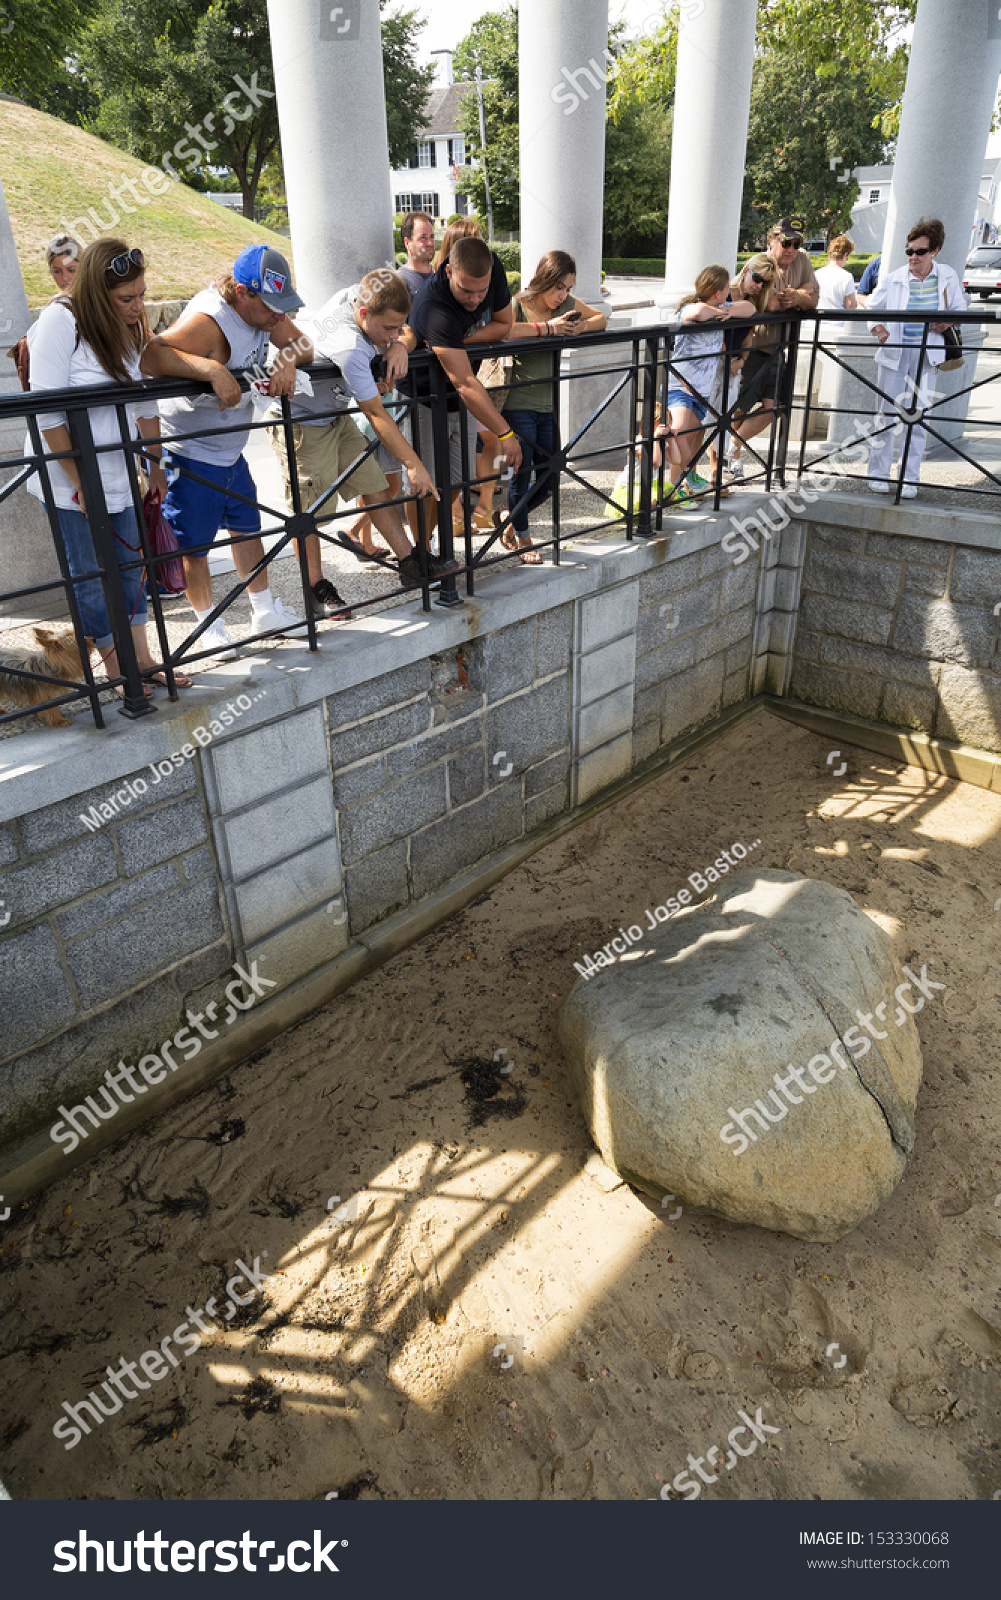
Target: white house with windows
(875, 183)
(869, 211)
(437, 159)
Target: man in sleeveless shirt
(229, 325)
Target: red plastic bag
(163, 542)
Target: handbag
(954, 356)
(495, 375)
(163, 542)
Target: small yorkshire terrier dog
(57, 657)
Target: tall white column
(712, 101)
(332, 115)
(26, 552)
(562, 68)
(952, 80)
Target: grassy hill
(52, 172)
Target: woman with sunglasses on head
(766, 380)
(924, 284)
(96, 335)
(753, 283)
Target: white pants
(900, 383)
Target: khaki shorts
(322, 453)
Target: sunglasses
(757, 278)
(796, 240)
(925, 252)
(119, 265)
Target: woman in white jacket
(924, 284)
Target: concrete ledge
(47, 765)
(940, 756)
(38, 1162)
(917, 520)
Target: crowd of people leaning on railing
(448, 300)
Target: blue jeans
(79, 545)
(535, 435)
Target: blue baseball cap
(268, 273)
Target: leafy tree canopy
(492, 43)
(799, 123)
(165, 72)
(36, 49)
(407, 84)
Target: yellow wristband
(502, 436)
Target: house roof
(444, 105)
(865, 175)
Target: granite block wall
(903, 631)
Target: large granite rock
(676, 1050)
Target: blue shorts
(684, 397)
(195, 512)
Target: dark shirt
(870, 276)
(439, 321)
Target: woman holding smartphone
(545, 307)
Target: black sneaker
(410, 570)
(328, 602)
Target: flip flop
(181, 679)
(529, 555)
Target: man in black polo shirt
(465, 303)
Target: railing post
(785, 415)
(915, 405)
(809, 392)
(447, 594)
(650, 348)
(135, 703)
(631, 460)
(554, 482)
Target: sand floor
(371, 1363)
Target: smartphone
(572, 316)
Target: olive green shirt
(533, 367)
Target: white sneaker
(216, 639)
(278, 617)
(909, 492)
(877, 487)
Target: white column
(26, 552)
(711, 105)
(562, 68)
(952, 80)
(332, 115)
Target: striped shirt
(923, 297)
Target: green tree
(408, 85)
(492, 42)
(860, 36)
(637, 175)
(801, 121)
(166, 75)
(37, 43)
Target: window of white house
(429, 203)
(873, 197)
(457, 153)
(425, 152)
(405, 203)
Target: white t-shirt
(58, 362)
(337, 339)
(248, 347)
(835, 284)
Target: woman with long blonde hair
(94, 335)
(696, 357)
(754, 282)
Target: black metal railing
(647, 367)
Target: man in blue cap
(223, 329)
